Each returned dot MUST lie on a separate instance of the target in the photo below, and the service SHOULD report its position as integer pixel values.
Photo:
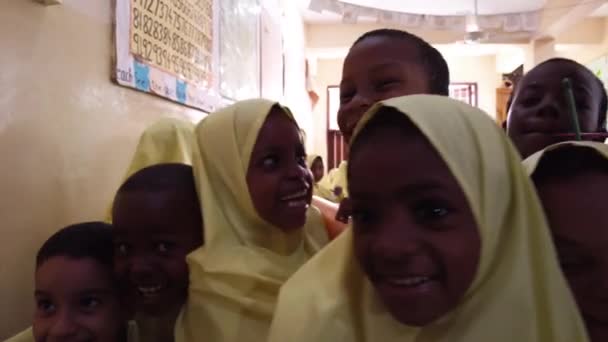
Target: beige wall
(328, 73)
(66, 132)
(479, 69)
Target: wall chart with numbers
(168, 48)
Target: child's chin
(294, 223)
(153, 306)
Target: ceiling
(452, 7)
(434, 7)
(601, 12)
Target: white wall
(296, 96)
(482, 70)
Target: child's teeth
(293, 204)
(409, 281)
(149, 290)
(295, 195)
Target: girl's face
(415, 235)
(376, 69)
(279, 182)
(76, 300)
(576, 212)
(540, 110)
(317, 169)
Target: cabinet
(502, 97)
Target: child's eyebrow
(39, 293)
(408, 190)
(96, 291)
(583, 89)
(565, 242)
(533, 86)
(382, 66)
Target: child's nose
(297, 171)
(549, 109)
(63, 326)
(141, 264)
(396, 240)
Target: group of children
(451, 236)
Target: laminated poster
(167, 48)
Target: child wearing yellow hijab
(449, 241)
(315, 165)
(168, 140)
(259, 227)
(156, 222)
(572, 182)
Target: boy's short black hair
(569, 162)
(603, 100)
(164, 177)
(430, 58)
(160, 177)
(82, 240)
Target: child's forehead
(162, 211)
(558, 69)
(83, 270)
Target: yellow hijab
(168, 140)
(235, 277)
(531, 163)
(518, 294)
(334, 178)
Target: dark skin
(279, 182)
(576, 211)
(369, 76)
(414, 233)
(540, 109)
(153, 233)
(317, 169)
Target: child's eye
(345, 97)
(163, 247)
(572, 263)
(89, 304)
(362, 216)
(121, 249)
(270, 162)
(430, 211)
(387, 84)
(45, 306)
(301, 159)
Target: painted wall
(67, 132)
